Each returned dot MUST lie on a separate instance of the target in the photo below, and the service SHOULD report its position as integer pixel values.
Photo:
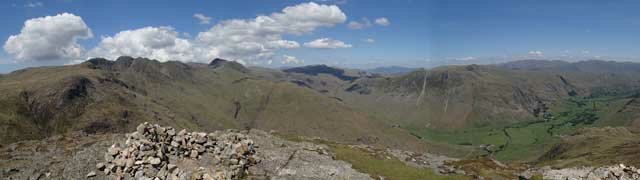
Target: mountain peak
(222, 63)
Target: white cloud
(468, 58)
(202, 19)
(383, 21)
(585, 52)
(369, 40)
(34, 4)
(242, 40)
(290, 60)
(269, 62)
(536, 53)
(355, 25)
(284, 44)
(326, 43)
(161, 43)
(49, 38)
(364, 23)
(261, 37)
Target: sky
(346, 33)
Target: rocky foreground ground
(156, 152)
(159, 152)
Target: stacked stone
(148, 153)
(619, 172)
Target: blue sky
(417, 33)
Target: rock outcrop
(283, 160)
(222, 63)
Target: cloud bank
(261, 37)
(49, 38)
(290, 60)
(251, 40)
(161, 43)
(326, 43)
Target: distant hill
(321, 69)
(590, 66)
(532, 64)
(112, 96)
(391, 70)
(221, 63)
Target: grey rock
(154, 161)
(194, 154)
(100, 166)
(139, 175)
(141, 128)
(91, 174)
(182, 132)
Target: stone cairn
(617, 172)
(156, 152)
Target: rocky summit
(160, 152)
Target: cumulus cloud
(383, 21)
(369, 40)
(161, 43)
(49, 38)
(290, 60)
(535, 53)
(261, 37)
(202, 19)
(364, 23)
(326, 43)
(242, 40)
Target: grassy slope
(388, 168)
(197, 98)
(595, 147)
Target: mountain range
(533, 111)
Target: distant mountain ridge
(593, 66)
(321, 69)
(391, 70)
(102, 96)
(345, 105)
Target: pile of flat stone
(156, 152)
(617, 172)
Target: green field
(527, 141)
